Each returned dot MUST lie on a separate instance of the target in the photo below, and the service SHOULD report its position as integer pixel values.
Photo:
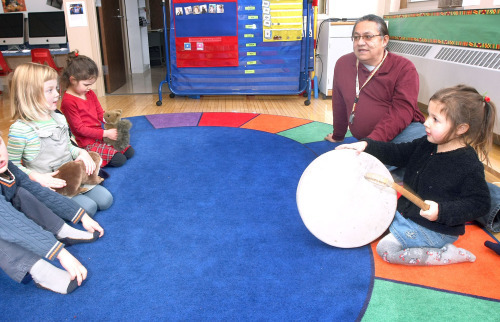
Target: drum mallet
(383, 181)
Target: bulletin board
(223, 47)
(478, 28)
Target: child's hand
(111, 134)
(87, 160)
(73, 266)
(433, 211)
(48, 180)
(357, 146)
(91, 225)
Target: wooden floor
(144, 104)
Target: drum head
(338, 205)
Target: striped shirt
(24, 143)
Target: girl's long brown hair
(463, 104)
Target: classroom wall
(86, 39)
(356, 8)
(432, 5)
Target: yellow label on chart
(251, 53)
(251, 45)
(250, 8)
(253, 62)
(253, 17)
(285, 35)
(249, 35)
(282, 21)
(250, 71)
(287, 14)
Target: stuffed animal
(113, 120)
(74, 174)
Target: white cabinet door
(334, 42)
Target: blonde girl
(39, 140)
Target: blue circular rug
(205, 226)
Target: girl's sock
(70, 236)
(449, 254)
(392, 251)
(49, 277)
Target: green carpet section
(401, 302)
(310, 132)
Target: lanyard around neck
(358, 89)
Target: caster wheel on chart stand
(172, 95)
(158, 103)
(307, 102)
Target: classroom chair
(4, 72)
(43, 56)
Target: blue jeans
(15, 260)
(413, 131)
(99, 198)
(492, 220)
(411, 235)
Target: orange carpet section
(480, 278)
(274, 123)
(225, 119)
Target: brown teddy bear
(113, 120)
(74, 174)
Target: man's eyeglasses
(365, 37)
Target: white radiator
(441, 66)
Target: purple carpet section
(160, 121)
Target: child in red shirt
(84, 112)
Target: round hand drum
(338, 205)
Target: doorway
(152, 48)
(110, 17)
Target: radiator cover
(442, 66)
